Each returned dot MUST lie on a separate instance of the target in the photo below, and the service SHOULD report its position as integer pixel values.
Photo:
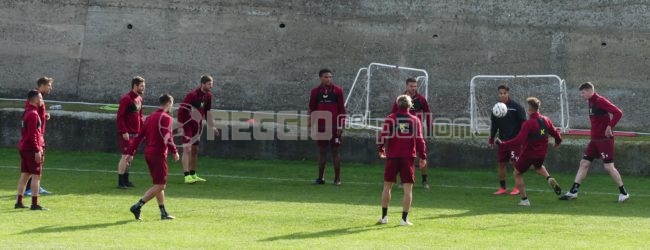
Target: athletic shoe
(623, 197)
(189, 179)
(37, 207)
(514, 191)
(426, 185)
(382, 221)
(42, 190)
(136, 212)
(197, 178)
(337, 181)
(129, 184)
(19, 205)
(405, 223)
(556, 187)
(122, 186)
(166, 217)
(570, 196)
(500, 191)
(28, 192)
(319, 182)
(525, 202)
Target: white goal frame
(561, 88)
(368, 72)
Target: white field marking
(306, 180)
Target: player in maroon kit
(400, 141)
(129, 122)
(601, 144)
(508, 127)
(44, 86)
(327, 112)
(31, 148)
(198, 100)
(421, 110)
(158, 131)
(534, 138)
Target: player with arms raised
(508, 126)
(534, 138)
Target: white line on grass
(301, 180)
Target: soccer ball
(500, 109)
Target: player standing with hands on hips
(399, 142)
(327, 112)
(420, 109)
(601, 144)
(158, 131)
(508, 127)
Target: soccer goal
(550, 89)
(374, 90)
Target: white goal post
(550, 89)
(374, 90)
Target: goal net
(374, 90)
(550, 89)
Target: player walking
(508, 127)
(601, 144)
(534, 138)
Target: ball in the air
(500, 109)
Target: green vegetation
(272, 205)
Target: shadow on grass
(328, 233)
(55, 229)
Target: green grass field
(272, 205)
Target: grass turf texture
(272, 205)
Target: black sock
(548, 177)
(384, 212)
(186, 173)
(425, 178)
(502, 184)
(192, 172)
(404, 215)
(574, 188)
(162, 209)
(126, 177)
(524, 198)
(140, 203)
(622, 190)
(120, 179)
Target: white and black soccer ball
(500, 109)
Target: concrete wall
(84, 131)
(265, 54)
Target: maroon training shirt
(31, 131)
(157, 130)
(534, 136)
(328, 98)
(402, 133)
(599, 110)
(41, 114)
(198, 100)
(420, 109)
(129, 113)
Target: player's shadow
(327, 233)
(55, 229)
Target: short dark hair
(503, 87)
(411, 79)
(32, 94)
(533, 103)
(206, 78)
(136, 81)
(586, 85)
(323, 71)
(165, 98)
(44, 80)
